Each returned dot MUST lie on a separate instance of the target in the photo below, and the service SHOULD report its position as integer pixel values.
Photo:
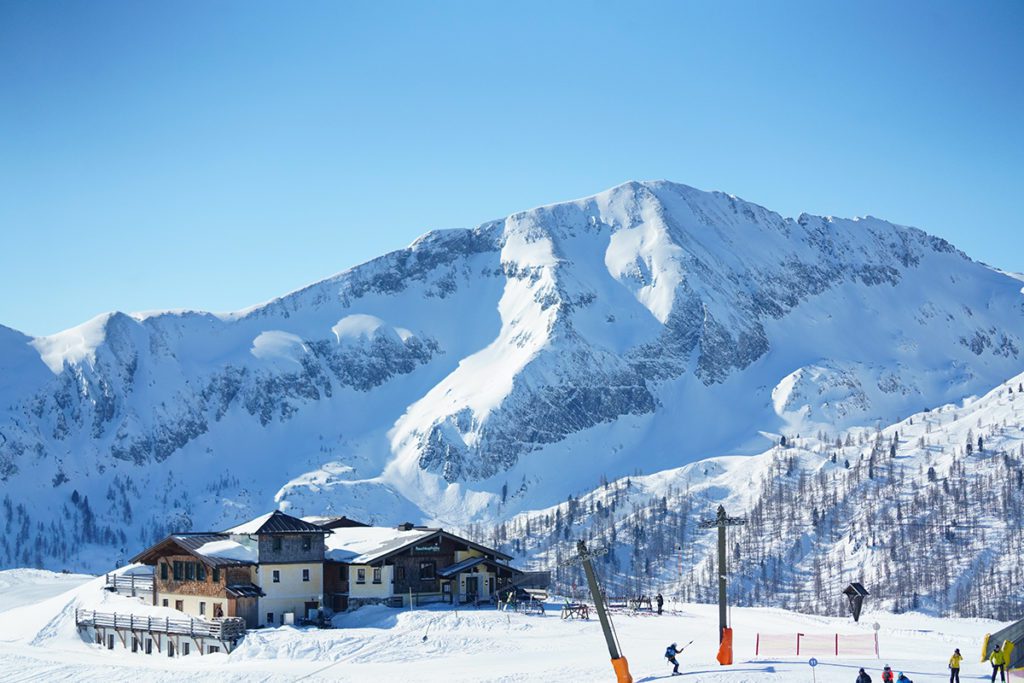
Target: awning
(469, 563)
(245, 590)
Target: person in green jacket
(998, 664)
(954, 666)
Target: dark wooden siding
(291, 548)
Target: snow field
(39, 642)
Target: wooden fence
(133, 584)
(226, 629)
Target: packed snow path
(382, 644)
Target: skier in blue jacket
(670, 654)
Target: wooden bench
(575, 610)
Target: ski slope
(39, 642)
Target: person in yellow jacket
(954, 666)
(998, 664)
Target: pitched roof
(277, 522)
(334, 522)
(365, 544)
(214, 549)
(469, 563)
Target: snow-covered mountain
(928, 513)
(483, 372)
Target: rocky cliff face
(480, 372)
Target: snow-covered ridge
(483, 372)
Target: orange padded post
(725, 649)
(621, 667)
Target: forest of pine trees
(926, 520)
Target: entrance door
(472, 588)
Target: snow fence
(843, 645)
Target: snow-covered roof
(277, 522)
(252, 526)
(227, 550)
(215, 548)
(362, 545)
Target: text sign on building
(436, 548)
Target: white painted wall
(191, 604)
(290, 593)
(384, 589)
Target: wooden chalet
(205, 575)
(403, 564)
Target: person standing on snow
(670, 654)
(954, 666)
(887, 675)
(903, 678)
(660, 600)
(863, 677)
(998, 664)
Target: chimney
(405, 526)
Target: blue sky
(215, 155)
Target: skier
(660, 600)
(670, 654)
(887, 675)
(903, 679)
(954, 666)
(998, 664)
(863, 677)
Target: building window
(342, 572)
(179, 605)
(149, 645)
(400, 573)
(179, 572)
(184, 649)
(202, 608)
(216, 575)
(277, 576)
(135, 643)
(163, 571)
(270, 617)
(376, 574)
(276, 544)
(427, 571)
(360, 575)
(110, 641)
(307, 543)
(213, 648)
(190, 571)
(305, 575)
(165, 602)
(201, 572)
(218, 610)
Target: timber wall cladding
(335, 577)
(292, 548)
(423, 552)
(188, 587)
(237, 575)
